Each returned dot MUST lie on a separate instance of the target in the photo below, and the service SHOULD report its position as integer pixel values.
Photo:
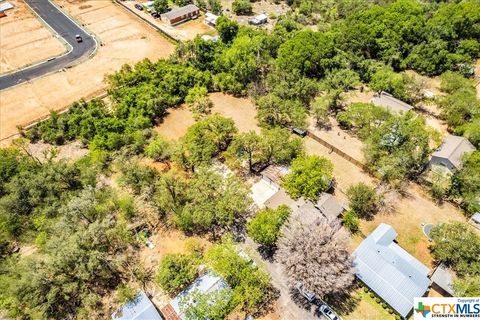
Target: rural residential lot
(240, 160)
(123, 39)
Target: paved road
(67, 29)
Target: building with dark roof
(390, 271)
(182, 14)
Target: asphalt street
(67, 29)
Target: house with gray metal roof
(390, 103)
(139, 308)
(451, 152)
(207, 283)
(390, 271)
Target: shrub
(158, 149)
(384, 305)
(176, 271)
(390, 311)
(372, 295)
(242, 7)
(350, 221)
(377, 300)
(365, 290)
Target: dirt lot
(184, 31)
(241, 110)
(264, 6)
(124, 39)
(24, 40)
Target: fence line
(337, 151)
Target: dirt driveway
(124, 39)
(25, 40)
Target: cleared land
(241, 110)
(184, 31)
(24, 40)
(271, 9)
(124, 39)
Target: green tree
(158, 149)
(198, 101)
(308, 177)
(246, 145)
(264, 228)
(458, 246)
(363, 200)
(279, 146)
(204, 140)
(213, 203)
(273, 111)
(251, 285)
(160, 6)
(363, 118)
(467, 287)
(465, 182)
(214, 305)
(227, 29)
(399, 148)
(242, 7)
(176, 271)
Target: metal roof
(394, 105)
(207, 283)
(179, 12)
(453, 149)
(140, 308)
(444, 278)
(395, 275)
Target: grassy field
(366, 308)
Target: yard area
(271, 9)
(241, 110)
(185, 31)
(124, 39)
(25, 40)
(365, 307)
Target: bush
(377, 300)
(350, 221)
(390, 311)
(176, 271)
(242, 7)
(372, 295)
(363, 199)
(158, 149)
(365, 289)
(384, 305)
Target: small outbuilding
(329, 207)
(442, 279)
(390, 271)
(139, 308)
(390, 103)
(451, 152)
(258, 20)
(211, 19)
(182, 14)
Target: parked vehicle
(328, 312)
(155, 15)
(139, 7)
(310, 296)
(78, 38)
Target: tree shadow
(267, 252)
(269, 305)
(300, 300)
(343, 302)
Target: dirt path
(124, 39)
(25, 40)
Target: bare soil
(185, 31)
(25, 40)
(272, 10)
(241, 110)
(124, 39)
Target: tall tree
(308, 176)
(316, 256)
